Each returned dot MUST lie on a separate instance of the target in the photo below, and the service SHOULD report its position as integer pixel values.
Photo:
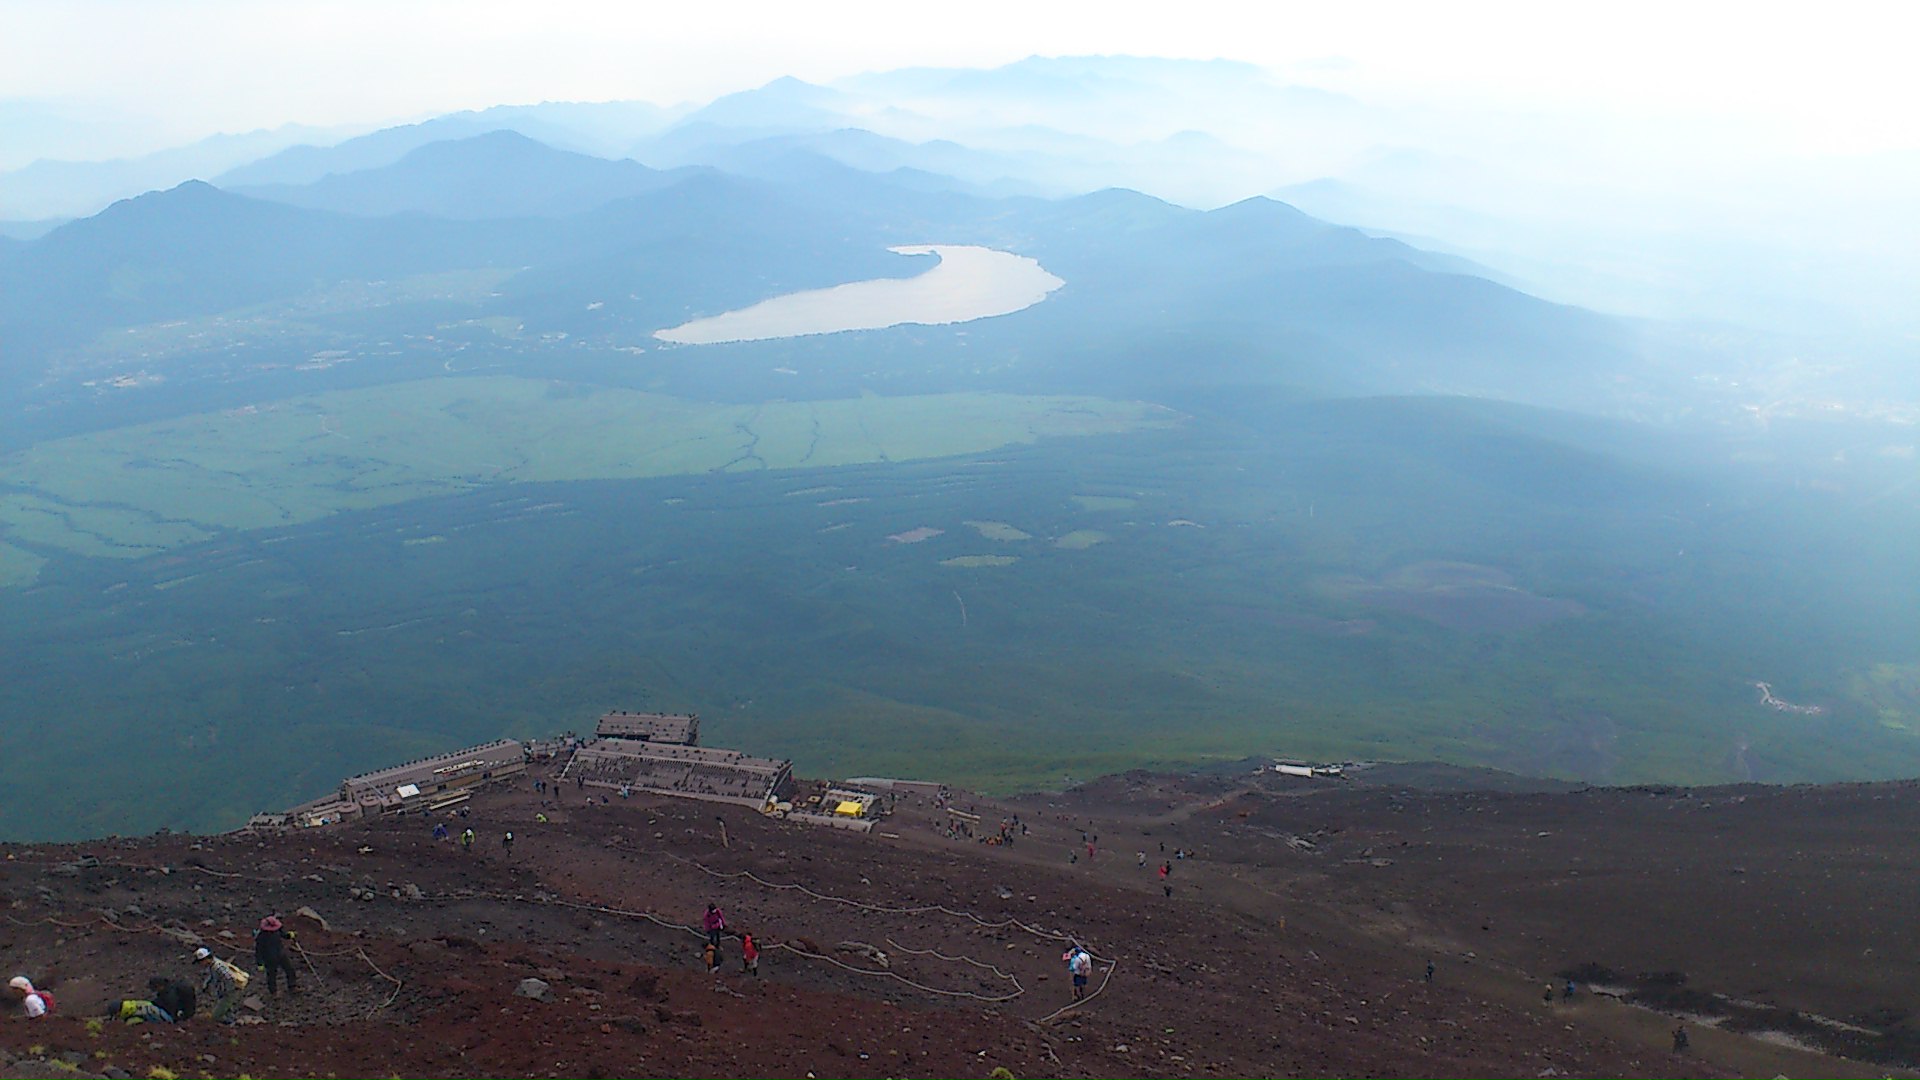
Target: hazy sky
(1831, 78)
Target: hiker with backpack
(270, 952)
(1080, 966)
(140, 1011)
(173, 995)
(37, 1002)
(223, 984)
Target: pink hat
(270, 923)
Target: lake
(968, 283)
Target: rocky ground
(1295, 942)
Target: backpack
(234, 973)
(45, 999)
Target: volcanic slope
(1267, 959)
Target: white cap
(202, 953)
(20, 983)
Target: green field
(135, 491)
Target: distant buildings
(656, 753)
(432, 783)
(697, 772)
(681, 728)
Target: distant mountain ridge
(613, 247)
(497, 174)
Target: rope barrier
(604, 909)
(922, 909)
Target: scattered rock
(309, 913)
(632, 1025)
(183, 936)
(410, 891)
(861, 948)
(537, 989)
(253, 1002)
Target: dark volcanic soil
(1294, 944)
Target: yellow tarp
(849, 808)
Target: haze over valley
(887, 540)
(1000, 425)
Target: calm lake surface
(968, 283)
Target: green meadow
(131, 492)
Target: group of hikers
(714, 923)
(172, 1000)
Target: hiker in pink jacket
(714, 923)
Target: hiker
(440, 831)
(270, 952)
(173, 995)
(1080, 966)
(223, 983)
(1680, 1040)
(36, 1001)
(749, 955)
(466, 841)
(1567, 993)
(139, 1011)
(1547, 998)
(714, 922)
(1429, 972)
(711, 954)
(1165, 869)
(506, 842)
(1141, 858)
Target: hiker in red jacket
(749, 955)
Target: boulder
(537, 989)
(861, 948)
(184, 936)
